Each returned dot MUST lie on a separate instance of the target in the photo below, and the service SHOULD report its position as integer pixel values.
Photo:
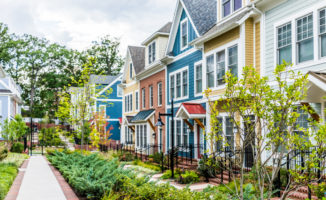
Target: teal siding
(191, 36)
(281, 12)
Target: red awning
(120, 120)
(191, 111)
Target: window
(178, 85)
(219, 143)
(220, 67)
(138, 137)
(229, 133)
(172, 87)
(210, 71)
(184, 83)
(130, 71)
(178, 124)
(233, 60)
(305, 40)
(151, 96)
(230, 6)
(199, 78)
(128, 103)
(184, 33)
(322, 32)
(284, 43)
(151, 52)
(119, 91)
(160, 97)
(145, 135)
(143, 97)
(137, 100)
(302, 122)
(102, 110)
(128, 135)
(185, 134)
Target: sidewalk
(39, 182)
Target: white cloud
(76, 23)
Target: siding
(113, 126)
(274, 15)
(257, 46)
(191, 36)
(183, 62)
(131, 89)
(249, 42)
(222, 39)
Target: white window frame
(292, 19)
(119, 91)
(142, 140)
(179, 71)
(226, 48)
(137, 100)
(277, 47)
(151, 96)
(231, 8)
(320, 34)
(181, 33)
(130, 70)
(143, 95)
(195, 78)
(159, 94)
(296, 37)
(151, 52)
(128, 100)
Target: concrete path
(39, 182)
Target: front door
(249, 141)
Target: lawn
(8, 171)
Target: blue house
(109, 101)
(184, 81)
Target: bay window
(305, 40)
(199, 79)
(220, 67)
(284, 43)
(210, 71)
(141, 135)
(322, 32)
(233, 60)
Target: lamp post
(160, 124)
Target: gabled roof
(137, 55)
(166, 28)
(191, 111)
(203, 13)
(99, 79)
(143, 115)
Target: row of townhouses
(193, 52)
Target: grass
(8, 171)
(146, 165)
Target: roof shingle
(137, 55)
(143, 115)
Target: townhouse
(108, 102)
(134, 64)
(184, 83)
(152, 93)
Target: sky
(76, 23)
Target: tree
(265, 120)
(99, 134)
(106, 52)
(13, 130)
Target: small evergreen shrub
(188, 177)
(17, 148)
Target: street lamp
(160, 124)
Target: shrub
(17, 148)
(188, 177)
(3, 152)
(168, 174)
(207, 168)
(146, 165)
(320, 190)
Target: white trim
(185, 20)
(314, 10)
(317, 82)
(112, 120)
(197, 94)
(116, 100)
(174, 73)
(182, 55)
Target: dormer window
(130, 71)
(184, 33)
(151, 52)
(229, 6)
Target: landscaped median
(95, 177)
(8, 171)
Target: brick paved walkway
(39, 182)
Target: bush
(17, 148)
(146, 165)
(168, 174)
(188, 177)
(50, 137)
(320, 190)
(207, 168)
(3, 152)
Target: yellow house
(134, 64)
(232, 43)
